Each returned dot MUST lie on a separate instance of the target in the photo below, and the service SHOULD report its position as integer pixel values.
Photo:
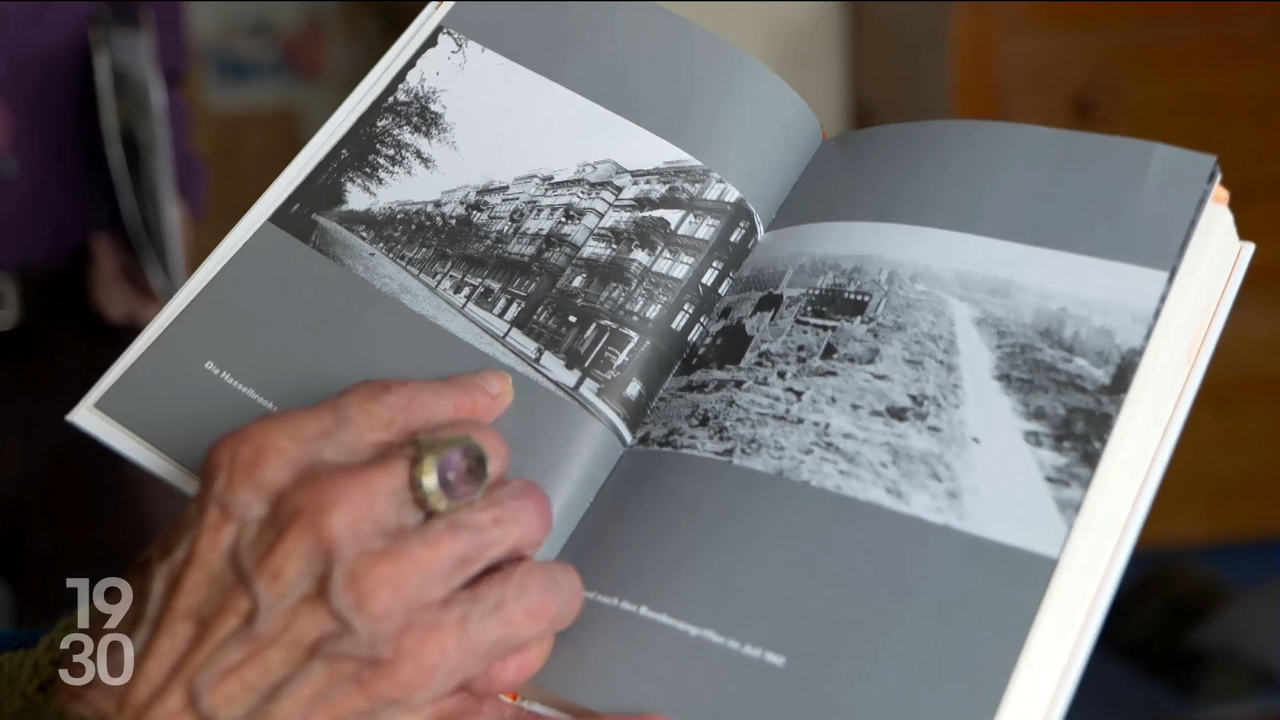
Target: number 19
(115, 612)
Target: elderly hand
(118, 289)
(304, 581)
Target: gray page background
(634, 58)
(284, 320)
(863, 601)
(882, 616)
(1097, 195)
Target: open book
(862, 427)
(133, 114)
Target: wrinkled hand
(304, 582)
(117, 290)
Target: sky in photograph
(508, 120)
(1049, 270)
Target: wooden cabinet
(1195, 74)
(243, 154)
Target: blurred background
(1195, 630)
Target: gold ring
(448, 473)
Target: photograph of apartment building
(592, 264)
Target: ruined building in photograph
(768, 302)
(601, 276)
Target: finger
(248, 665)
(446, 553)
(342, 513)
(478, 626)
(301, 550)
(305, 548)
(509, 610)
(513, 671)
(170, 605)
(306, 545)
(261, 612)
(459, 706)
(374, 500)
(286, 555)
(296, 551)
(256, 462)
(394, 505)
(299, 695)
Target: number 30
(115, 612)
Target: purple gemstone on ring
(462, 472)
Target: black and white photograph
(561, 239)
(967, 381)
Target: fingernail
(569, 579)
(497, 382)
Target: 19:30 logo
(93, 657)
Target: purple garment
(54, 184)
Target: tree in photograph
(383, 146)
(359, 221)
(389, 141)
(453, 237)
(391, 144)
(416, 237)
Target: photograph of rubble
(966, 381)
(568, 243)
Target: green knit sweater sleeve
(28, 678)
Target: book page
(849, 502)
(510, 197)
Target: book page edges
(115, 436)
(1129, 473)
(84, 415)
(1151, 483)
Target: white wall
(808, 44)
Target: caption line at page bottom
(748, 650)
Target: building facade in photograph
(602, 276)
(643, 289)
(530, 246)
